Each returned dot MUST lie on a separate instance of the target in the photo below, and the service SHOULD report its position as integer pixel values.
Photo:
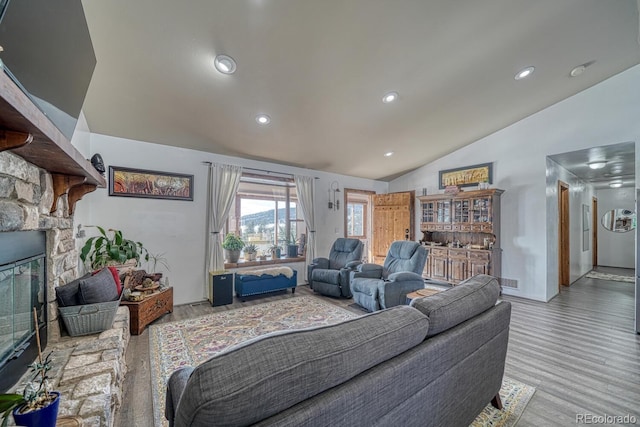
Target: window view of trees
(265, 213)
(355, 220)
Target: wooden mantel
(27, 132)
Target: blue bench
(263, 281)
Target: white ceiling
(620, 164)
(319, 68)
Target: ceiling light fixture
(577, 71)
(615, 184)
(524, 73)
(390, 97)
(225, 64)
(263, 119)
(388, 154)
(597, 164)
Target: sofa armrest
(175, 386)
(403, 276)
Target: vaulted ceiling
(319, 69)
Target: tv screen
(47, 51)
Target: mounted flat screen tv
(47, 51)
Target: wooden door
(458, 266)
(563, 234)
(392, 220)
(479, 263)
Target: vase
(292, 251)
(231, 256)
(43, 417)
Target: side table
(143, 312)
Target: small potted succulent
(37, 405)
(232, 246)
(250, 252)
(275, 251)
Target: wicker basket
(89, 318)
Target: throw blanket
(271, 271)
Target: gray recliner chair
(330, 276)
(377, 287)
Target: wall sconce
(334, 201)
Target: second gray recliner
(330, 276)
(376, 287)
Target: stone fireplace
(26, 198)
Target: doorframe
(564, 248)
(369, 219)
(594, 231)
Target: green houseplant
(37, 405)
(232, 246)
(111, 248)
(250, 252)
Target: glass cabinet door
(482, 210)
(428, 212)
(443, 209)
(461, 211)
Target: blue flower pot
(44, 417)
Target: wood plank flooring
(579, 350)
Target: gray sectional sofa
(438, 363)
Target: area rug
(606, 276)
(191, 342)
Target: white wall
(603, 114)
(580, 193)
(615, 249)
(178, 227)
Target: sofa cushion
(464, 301)
(69, 294)
(98, 288)
(269, 374)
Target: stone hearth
(89, 372)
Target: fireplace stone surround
(89, 371)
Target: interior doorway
(357, 218)
(564, 248)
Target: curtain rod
(261, 170)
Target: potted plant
(250, 252)
(154, 261)
(37, 405)
(111, 249)
(275, 251)
(232, 246)
(292, 249)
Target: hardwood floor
(579, 350)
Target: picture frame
(130, 182)
(467, 176)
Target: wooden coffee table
(421, 293)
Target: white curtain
(223, 186)
(305, 188)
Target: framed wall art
(467, 176)
(128, 182)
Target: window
(265, 212)
(356, 220)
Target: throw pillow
(116, 277)
(98, 288)
(68, 295)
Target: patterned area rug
(606, 276)
(191, 342)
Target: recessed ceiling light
(615, 184)
(597, 164)
(263, 119)
(388, 154)
(225, 64)
(390, 97)
(524, 73)
(577, 71)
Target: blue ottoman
(254, 282)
